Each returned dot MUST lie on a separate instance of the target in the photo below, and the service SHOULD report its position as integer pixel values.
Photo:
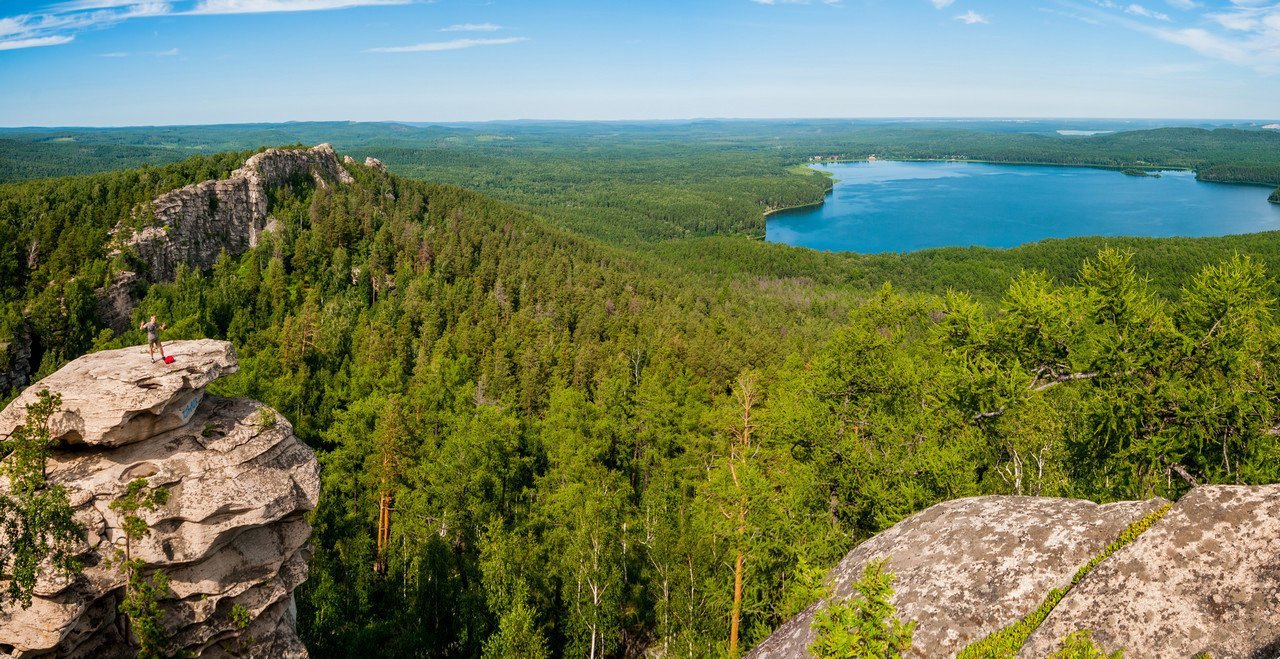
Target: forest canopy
(596, 448)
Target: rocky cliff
(233, 535)
(1205, 578)
(192, 225)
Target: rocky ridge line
(192, 225)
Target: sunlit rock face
(968, 567)
(1204, 580)
(193, 225)
(233, 534)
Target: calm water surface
(889, 206)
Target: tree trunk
(737, 603)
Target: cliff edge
(233, 536)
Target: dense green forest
(635, 183)
(592, 422)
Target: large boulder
(116, 397)
(1204, 579)
(968, 567)
(233, 535)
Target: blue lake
(889, 206)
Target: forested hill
(638, 182)
(583, 448)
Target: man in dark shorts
(153, 337)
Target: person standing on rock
(153, 337)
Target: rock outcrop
(15, 359)
(192, 225)
(232, 537)
(968, 567)
(1205, 578)
(117, 300)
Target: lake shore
(906, 211)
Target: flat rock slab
(118, 397)
(1205, 578)
(968, 567)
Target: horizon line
(419, 122)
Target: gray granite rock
(15, 359)
(1205, 578)
(193, 225)
(233, 533)
(117, 300)
(968, 567)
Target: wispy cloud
(1243, 32)
(942, 4)
(472, 27)
(172, 52)
(455, 44)
(1139, 10)
(34, 42)
(273, 6)
(972, 17)
(60, 22)
(57, 28)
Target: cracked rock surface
(233, 534)
(968, 567)
(1205, 578)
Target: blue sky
(130, 62)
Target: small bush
(865, 627)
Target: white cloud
(972, 17)
(59, 23)
(35, 42)
(270, 6)
(1241, 32)
(942, 4)
(472, 27)
(456, 44)
(1139, 10)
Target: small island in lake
(1134, 171)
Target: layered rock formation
(194, 224)
(233, 535)
(1205, 578)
